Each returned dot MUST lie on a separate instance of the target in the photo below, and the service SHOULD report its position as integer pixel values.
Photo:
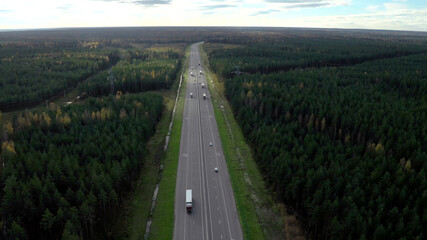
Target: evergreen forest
(31, 73)
(67, 168)
(337, 126)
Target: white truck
(191, 95)
(203, 85)
(204, 95)
(189, 201)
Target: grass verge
(163, 215)
(258, 213)
(131, 224)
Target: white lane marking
(203, 159)
(220, 178)
(202, 183)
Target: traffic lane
(181, 175)
(220, 218)
(198, 220)
(223, 176)
(225, 184)
(191, 227)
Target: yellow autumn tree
(64, 120)
(250, 94)
(46, 119)
(58, 113)
(119, 94)
(8, 147)
(104, 115)
(408, 165)
(20, 122)
(379, 148)
(9, 128)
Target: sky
(352, 14)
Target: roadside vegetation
(163, 215)
(335, 135)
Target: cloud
(394, 6)
(65, 7)
(218, 6)
(372, 8)
(263, 12)
(140, 2)
(292, 4)
(309, 5)
(151, 2)
(293, 1)
(404, 19)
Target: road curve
(214, 213)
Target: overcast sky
(367, 14)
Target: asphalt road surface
(214, 215)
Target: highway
(214, 215)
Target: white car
(210, 144)
(216, 169)
(191, 95)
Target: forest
(139, 71)
(337, 127)
(31, 74)
(67, 168)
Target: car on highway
(191, 95)
(216, 169)
(210, 144)
(204, 95)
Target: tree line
(292, 53)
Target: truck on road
(189, 201)
(204, 95)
